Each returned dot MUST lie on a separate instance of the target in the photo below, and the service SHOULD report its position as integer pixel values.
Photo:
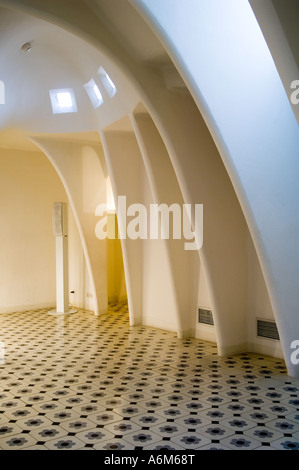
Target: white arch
(236, 86)
(191, 154)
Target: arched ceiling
(57, 60)
(133, 32)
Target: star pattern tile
(90, 382)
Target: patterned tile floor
(95, 383)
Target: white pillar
(62, 297)
(62, 278)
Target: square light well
(94, 93)
(107, 82)
(63, 101)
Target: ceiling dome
(36, 57)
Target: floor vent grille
(205, 316)
(267, 329)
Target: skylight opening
(2, 92)
(107, 82)
(94, 93)
(63, 101)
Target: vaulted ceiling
(57, 59)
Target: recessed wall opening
(107, 82)
(63, 101)
(94, 93)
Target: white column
(62, 294)
(62, 275)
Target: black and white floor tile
(94, 383)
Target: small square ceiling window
(94, 93)
(63, 101)
(107, 82)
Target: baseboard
(263, 349)
(161, 325)
(273, 350)
(233, 349)
(115, 299)
(157, 323)
(25, 308)
(182, 334)
(205, 333)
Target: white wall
(201, 330)
(235, 84)
(79, 167)
(160, 308)
(28, 187)
(181, 266)
(80, 285)
(151, 292)
(259, 307)
(282, 43)
(126, 175)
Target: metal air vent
(205, 316)
(267, 329)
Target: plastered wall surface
(29, 186)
